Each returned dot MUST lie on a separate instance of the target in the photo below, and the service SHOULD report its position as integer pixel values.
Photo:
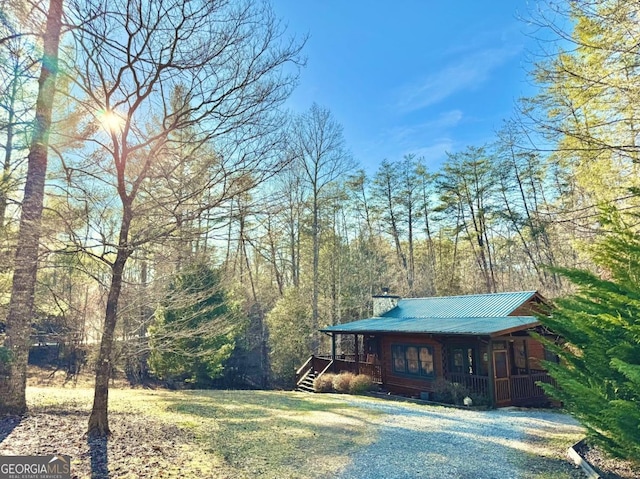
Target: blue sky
(411, 76)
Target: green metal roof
(463, 326)
(476, 314)
(470, 306)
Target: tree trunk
(274, 256)
(411, 272)
(431, 255)
(402, 259)
(6, 169)
(294, 244)
(12, 389)
(315, 232)
(99, 421)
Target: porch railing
(519, 389)
(374, 371)
(516, 388)
(525, 387)
(476, 384)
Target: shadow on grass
(8, 424)
(271, 433)
(234, 406)
(98, 456)
(253, 402)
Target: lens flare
(110, 120)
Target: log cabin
(482, 341)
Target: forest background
(249, 235)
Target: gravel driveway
(418, 441)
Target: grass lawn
(545, 457)
(222, 434)
(217, 434)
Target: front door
(501, 377)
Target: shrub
(360, 384)
(342, 381)
(479, 399)
(448, 392)
(324, 383)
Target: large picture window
(414, 360)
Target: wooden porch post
(333, 346)
(357, 358)
(492, 382)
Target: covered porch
(516, 390)
(505, 370)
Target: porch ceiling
(492, 326)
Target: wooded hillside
(163, 166)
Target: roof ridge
(471, 295)
(448, 317)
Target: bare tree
(232, 67)
(12, 390)
(466, 187)
(357, 187)
(409, 190)
(295, 196)
(425, 193)
(318, 143)
(521, 175)
(387, 185)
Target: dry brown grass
(342, 382)
(361, 383)
(324, 383)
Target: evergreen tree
(290, 335)
(598, 377)
(193, 333)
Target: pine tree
(194, 333)
(598, 377)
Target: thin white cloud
(434, 153)
(447, 119)
(467, 73)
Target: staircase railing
(308, 367)
(329, 366)
(304, 370)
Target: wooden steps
(306, 384)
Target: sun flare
(110, 120)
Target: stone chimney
(384, 302)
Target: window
(426, 360)
(413, 360)
(519, 357)
(463, 360)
